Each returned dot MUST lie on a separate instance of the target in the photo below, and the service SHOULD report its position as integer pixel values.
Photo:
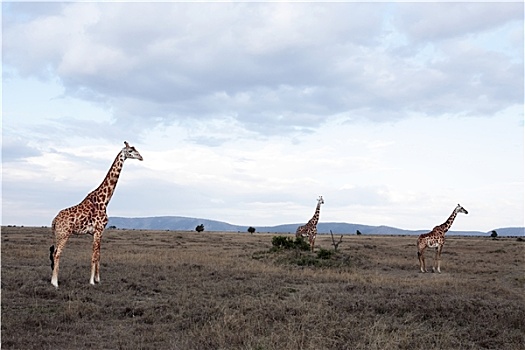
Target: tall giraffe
(89, 216)
(310, 229)
(436, 239)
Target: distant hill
(180, 223)
(172, 223)
(510, 231)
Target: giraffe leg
(95, 259)
(420, 251)
(421, 258)
(56, 261)
(313, 235)
(438, 258)
(435, 263)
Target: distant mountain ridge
(181, 223)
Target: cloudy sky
(247, 112)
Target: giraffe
(436, 239)
(88, 217)
(310, 229)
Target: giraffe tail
(51, 256)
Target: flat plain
(210, 290)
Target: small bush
(324, 254)
(307, 261)
(301, 244)
(282, 242)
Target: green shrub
(282, 242)
(324, 254)
(301, 244)
(306, 261)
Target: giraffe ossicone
(436, 239)
(310, 229)
(88, 217)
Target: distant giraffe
(436, 239)
(89, 216)
(310, 229)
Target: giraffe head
(460, 209)
(130, 152)
(320, 200)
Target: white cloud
(424, 22)
(256, 62)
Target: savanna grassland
(188, 290)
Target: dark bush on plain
(282, 242)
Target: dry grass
(188, 290)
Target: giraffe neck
(315, 219)
(447, 224)
(104, 192)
